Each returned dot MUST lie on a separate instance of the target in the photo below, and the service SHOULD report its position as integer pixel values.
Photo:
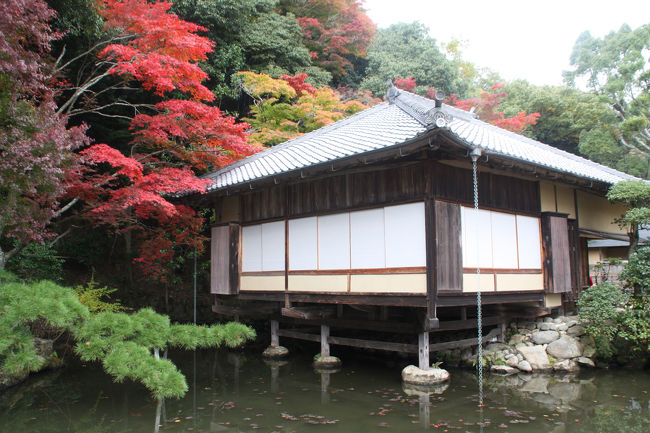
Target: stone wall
(548, 344)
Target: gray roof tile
(389, 124)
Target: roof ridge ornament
(392, 93)
(437, 116)
(420, 107)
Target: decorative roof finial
(392, 92)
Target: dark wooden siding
(385, 185)
(557, 260)
(495, 191)
(264, 204)
(448, 272)
(224, 264)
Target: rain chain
(475, 154)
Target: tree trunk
(128, 246)
(633, 234)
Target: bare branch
(66, 207)
(61, 236)
(91, 49)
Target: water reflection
(237, 392)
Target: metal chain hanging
(476, 153)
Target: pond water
(238, 392)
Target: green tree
(127, 345)
(636, 196)
(249, 35)
(617, 68)
(570, 119)
(407, 50)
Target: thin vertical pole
(195, 284)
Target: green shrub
(635, 326)
(637, 272)
(92, 296)
(598, 311)
(37, 262)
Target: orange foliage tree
(288, 107)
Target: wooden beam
(244, 310)
(373, 344)
(385, 345)
(298, 335)
(366, 325)
(469, 342)
(401, 300)
(469, 299)
(455, 325)
(307, 313)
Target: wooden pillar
(275, 327)
(423, 350)
(503, 327)
(324, 335)
(383, 313)
(339, 310)
(463, 313)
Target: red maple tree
(177, 138)
(407, 84)
(36, 144)
(486, 106)
(333, 29)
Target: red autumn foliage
(407, 84)
(161, 50)
(198, 134)
(298, 84)
(486, 106)
(333, 29)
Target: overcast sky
(518, 39)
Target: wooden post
(502, 326)
(339, 310)
(275, 327)
(423, 350)
(324, 335)
(463, 313)
(383, 313)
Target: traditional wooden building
(369, 224)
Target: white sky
(518, 39)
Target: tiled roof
(392, 123)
